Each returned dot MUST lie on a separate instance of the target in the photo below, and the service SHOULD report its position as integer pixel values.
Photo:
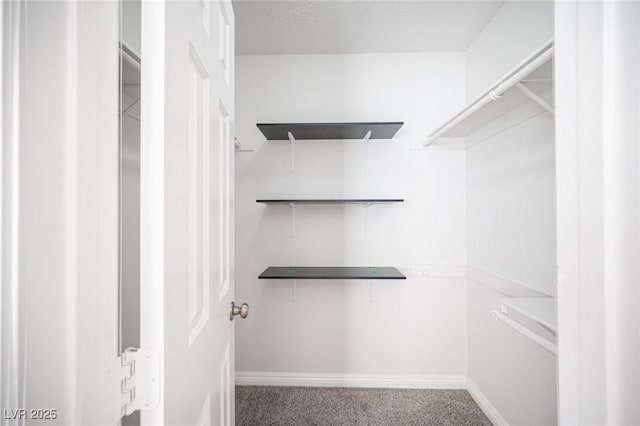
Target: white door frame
(152, 183)
(11, 348)
(59, 197)
(598, 211)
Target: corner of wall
(485, 404)
(489, 57)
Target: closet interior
(454, 206)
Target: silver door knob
(242, 310)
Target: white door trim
(59, 209)
(11, 348)
(598, 209)
(152, 186)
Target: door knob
(242, 310)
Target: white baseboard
(408, 381)
(487, 407)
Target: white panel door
(187, 186)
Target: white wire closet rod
(542, 55)
(536, 338)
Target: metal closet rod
(526, 67)
(546, 344)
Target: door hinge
(139, 380)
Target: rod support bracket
(367, 137)
(496, 94)
(535, 98)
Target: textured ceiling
(319, 26)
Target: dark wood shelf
(300, 131)
(332, 201)
(332, 273)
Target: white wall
(511, 222)
(130, 24)
(511, 204)
(417, 326)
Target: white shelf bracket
(366, 150)
(292, 209)
(292, 144)
(366, 219)
(535, 98)
(238, 146)
(294, 287)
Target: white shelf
(541, 310)
(532, 79)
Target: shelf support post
(535, 98)
(366, 150)
(292, 144)
(292, 209)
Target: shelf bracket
(294, 286)
(292, 209)
(238, 146)
(535, 98)
(292, 144)
(366, 150)
(366, 219)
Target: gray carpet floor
(289, 406)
